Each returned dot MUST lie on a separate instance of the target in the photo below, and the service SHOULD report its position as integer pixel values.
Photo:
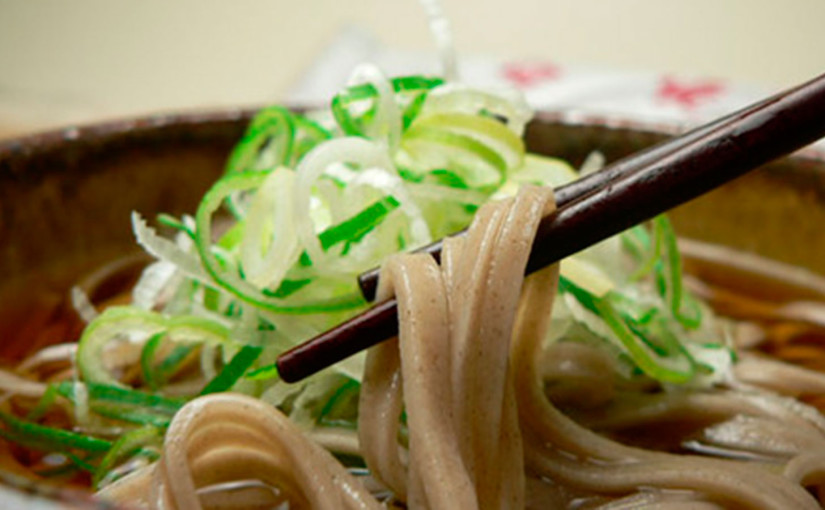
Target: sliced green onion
(171, 363)
(270, 244)
(449, 141)
(147, 356)
(636, 241)
(288, 287)
(414, 83)
(351, 125)
(43, 405)
(156, 376)
(649, 250)
(232, 237)
(233, 370)
(119, 395)
(412, 110)
(131, 415)
(126, 446)
(309, 134)
(46, 438)
(663, 365)
(342, 407)
(114, 320)
(587, 300)
(354, 124)
(672, 369)
(172, 222)
(127, 405)
(488, 131)
(263, 373)
(272, 129)
(232, 282)
(539, 171)
(275, 137)
(462, 99)
(444, 177)
(81, 463)
(355, 228)
(676, 295)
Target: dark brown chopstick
(692, 165)
(368, 280)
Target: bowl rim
(103, 131)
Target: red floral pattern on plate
(688, 94)
(526, 74)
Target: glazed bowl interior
(66, 199)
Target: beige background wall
(67, 61)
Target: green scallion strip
(288, 287)
(410, 175)
(233, 370)
(350, 126)
(677, 297)
(304, 260)
(120, 395)
(272, 125)
(412, 110)
(232, 237)
(586, 299)
(232, 281)
(341, 402)
(308, 134)
(399, 84)
(171, 363)
(108, 325)
(486, 127)
(673, 368)
(126, 446)
(416, 82)
(651, 364)
(459, 141)
(263, 373)
(46, 438)
(211, 298)
(356, 227)
(170, 221)
(690, 313)
(653, 342)
(636, 241)
(43, 405)
(449, 179)
(647, 250)
(355, 125)
(130, 414)
(147, 357)
(632, 310)
(82, 463)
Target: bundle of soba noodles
(599, 382)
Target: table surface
(73, 62)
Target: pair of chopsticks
(607, 202)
